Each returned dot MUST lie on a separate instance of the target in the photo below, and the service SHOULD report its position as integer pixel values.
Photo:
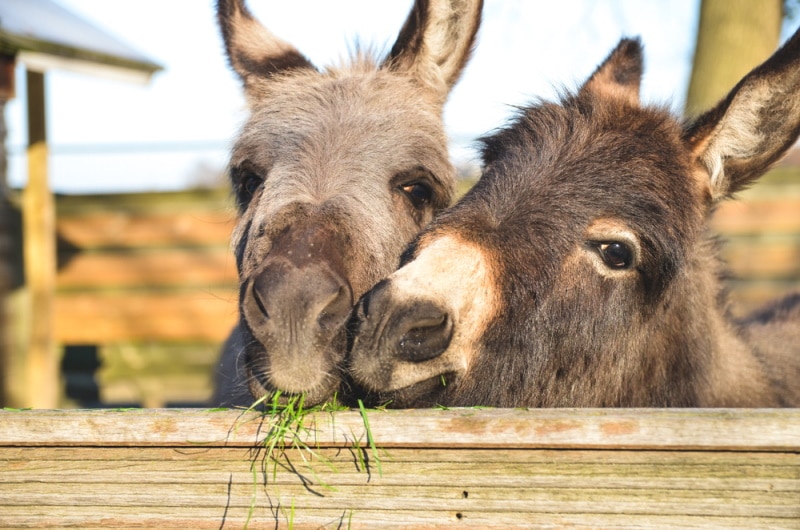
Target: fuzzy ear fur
(738, 140)
(253, 51)
(620, 75)
(436, 42)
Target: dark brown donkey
(579, 270)
(334, 172)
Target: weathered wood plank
(375, 495)
(665, 429)
(165, 202)
(176, 458)
(105, 318)
(88, 518)
(776, 258)
(778, 473)
(757, 215)
(202, 268)
(475, 468)
(123, 229)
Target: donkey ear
(620, 74)
(738, 140)
(436, 42)
(253, 51)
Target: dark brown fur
(534, 308)
(334, 173)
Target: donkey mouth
(426, 393)
(264, 390)
(295, 359)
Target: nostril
(372, 298)
(336, 312)
(255, 291)
(428, 334)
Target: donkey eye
(418, 193)
(249, 182)
(616, 255)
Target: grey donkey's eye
(247, 184)
(251, 183)
(418, 193)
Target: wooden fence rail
(473, 468)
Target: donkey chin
(291, 374)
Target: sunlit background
(109, 136)
(145, 286)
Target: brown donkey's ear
(738, 140)
(620, 74)
(253, 51)
(436, 41)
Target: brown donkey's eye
(418, 193)
(616, 255)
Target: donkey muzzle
(297, 314)
(390, 334)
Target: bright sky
(107, 136)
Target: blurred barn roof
(44, 35)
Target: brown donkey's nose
(415, 332)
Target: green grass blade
(370, 438)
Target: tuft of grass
(285, 438)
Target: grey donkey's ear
(738, 140)
(436, 42)
(253, 51)
(620, 75)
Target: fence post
(8, 239)
(38, 213)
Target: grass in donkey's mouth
(285, 444)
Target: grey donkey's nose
(293, 301)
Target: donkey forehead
(345, 121)
(631, 165)
(553, 173)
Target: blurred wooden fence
(490, 468)
(148, 283)
(144, 268)
(761, 236)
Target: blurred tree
(733, 36)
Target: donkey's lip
(443, 380)
(430, 388)
(434, 382)
(260, 386)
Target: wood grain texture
(473, 468)
(470, 468)
(667, 429)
